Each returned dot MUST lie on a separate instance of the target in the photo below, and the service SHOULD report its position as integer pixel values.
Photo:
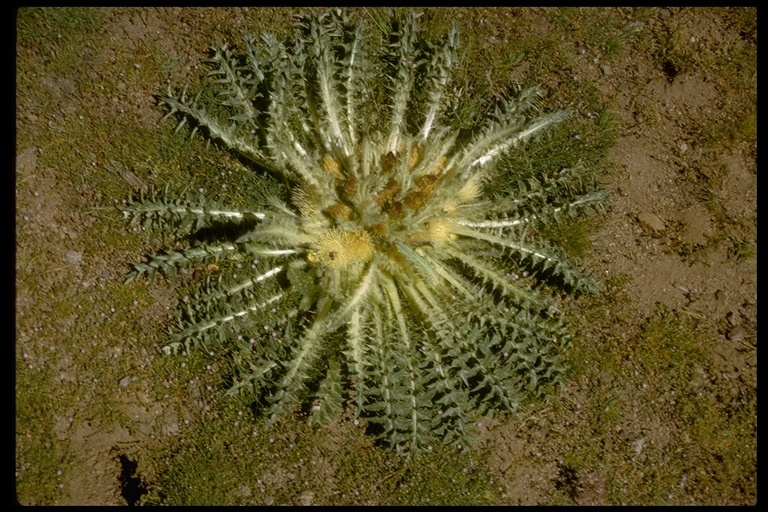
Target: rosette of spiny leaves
(396, 262)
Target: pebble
(26, 162)
(306, 498)
(244, 491)
(737, 333)
(74, 256)
(126, 380)
(651, 220)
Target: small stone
(306, 498)
(26, 163)
(126, 380)
(244, 491)
(607, 71)
(737, 333)
(74, 256)
(651, 220)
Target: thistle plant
(392, 252)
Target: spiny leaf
(395, 247)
